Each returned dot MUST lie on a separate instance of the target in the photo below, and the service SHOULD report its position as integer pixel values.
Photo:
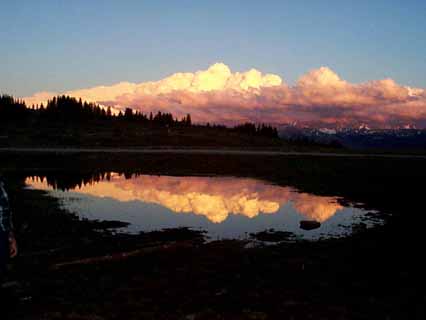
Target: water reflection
(215, 198)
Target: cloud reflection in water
(216, 198)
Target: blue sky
(64, 45)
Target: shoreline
(221, 151)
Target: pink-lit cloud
(221, 96)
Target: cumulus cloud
(214, 198)
(39, 98)
(219, 95)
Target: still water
(224, 207)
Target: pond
(222, 206)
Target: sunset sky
(278, 61)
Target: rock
(309, 224)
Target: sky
(61, 46)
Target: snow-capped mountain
(360, 137)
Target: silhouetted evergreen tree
(12, 109)
(128, 114)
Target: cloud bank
(320, 97)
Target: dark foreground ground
(73, 269)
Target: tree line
(66, 110)
(257, 130)
(69, 110)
